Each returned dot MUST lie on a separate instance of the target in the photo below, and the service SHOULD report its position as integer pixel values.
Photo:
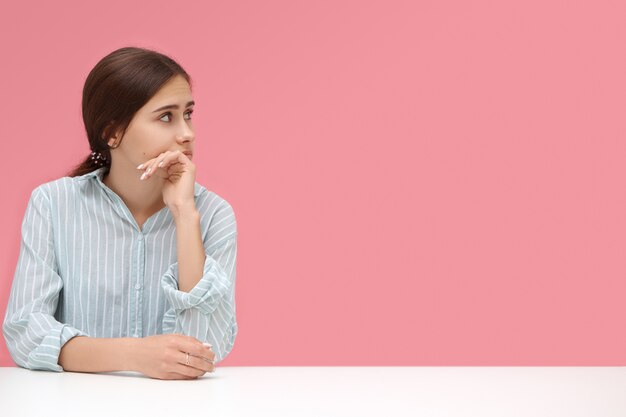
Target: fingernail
(160, 163)
(148, 170)
(143, 176)
(207, 344)
(139, 167)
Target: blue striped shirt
(85, 268)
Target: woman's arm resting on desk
(159, 356)
(90, 354)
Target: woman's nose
(187, 136)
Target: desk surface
(322, 391)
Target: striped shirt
(85, 268)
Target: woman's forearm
(189, 247)
(90, 354)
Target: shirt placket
(139, 267)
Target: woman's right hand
(163, 356)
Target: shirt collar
(99, 173)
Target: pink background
(415, 182)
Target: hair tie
(98, 158)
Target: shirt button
(137, 286)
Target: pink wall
(415, 182)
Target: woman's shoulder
(54, 188)
(63, 187)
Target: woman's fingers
(146, 167)
(161, 161)
(199, 350)
(197, 364)
(200, 355)
(176, 375)
(151, 167)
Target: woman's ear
(105, 131)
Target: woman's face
(154, 130)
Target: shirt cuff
(46, 355)
(206, 294)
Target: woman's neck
(143, 198)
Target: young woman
(127, 263)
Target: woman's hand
(163, 357)
(179, 176)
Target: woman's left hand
(178, 174)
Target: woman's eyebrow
(173, 106)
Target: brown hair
(116, 88)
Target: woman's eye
(170, 114)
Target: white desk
(322, 391)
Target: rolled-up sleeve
(33, 336)
(207, 312)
